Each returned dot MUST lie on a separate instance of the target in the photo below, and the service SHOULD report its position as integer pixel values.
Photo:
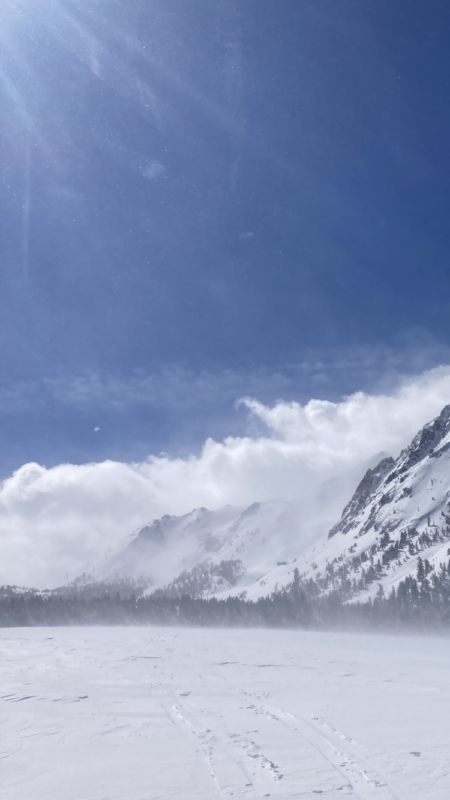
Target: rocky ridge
(396, 526)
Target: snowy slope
(206, 552)
(410, 491)
(399, 513)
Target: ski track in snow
(148, 713)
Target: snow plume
(55, 522)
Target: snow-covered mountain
(397, 523)
(399, 513)
(208, 552)
(228, 550)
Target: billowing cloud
(55, 522)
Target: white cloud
(55, 522)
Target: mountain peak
(423, 443)
(388, 471)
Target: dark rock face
(423, 443)
(364, 492)
(153, 533)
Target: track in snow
(147, 713)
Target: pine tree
(420, 570)
(380, 592)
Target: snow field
(145, 713)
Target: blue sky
(205, 200)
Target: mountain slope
(229, 550)
(206, 552)
(396, 524)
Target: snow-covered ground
(145, 713)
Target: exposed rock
(364, 492)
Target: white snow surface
(150, 713)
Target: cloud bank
(55, 522)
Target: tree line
(420, 602)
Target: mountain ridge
(399, 513)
